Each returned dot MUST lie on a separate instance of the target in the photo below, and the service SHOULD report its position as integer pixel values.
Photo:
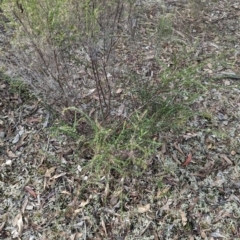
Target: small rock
(2, 135)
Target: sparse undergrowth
(119, 119)
(148, 150)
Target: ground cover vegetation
(119, 119)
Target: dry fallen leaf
(84, 203)
(58, 175)
(163, 148)
(2, 225)
(162, 192)
(49, 172)
(48, 176)
(188, 160)
(217, 234)
(210, 146)
(90, 91)
(11, 154)
(183, 217)
(104, 226)
(18, 222)
(227, 82)
(115, 197)
(121, 110)
(30, 191)
(143, 209)
(120, 90)
(203, 234)
(24, 204)
(189, 135)
(226, 159)
(178, 148)
(166, 207)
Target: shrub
(67, 50)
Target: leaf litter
(190, 188)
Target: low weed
(118, 151)
(77, 50)
(124, 147)
(17, 86)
